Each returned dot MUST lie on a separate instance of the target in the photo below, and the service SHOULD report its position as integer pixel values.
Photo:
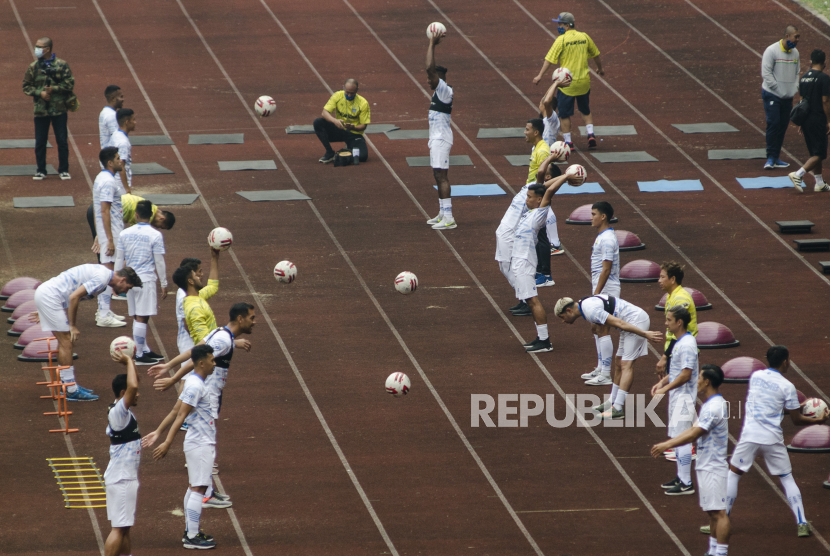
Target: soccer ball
(122, 344)
(285, 272)
(436, 30)
(398, 384)
(576, 175)
(561, 151)
(813, 407)
(265, 106)
(563, 75)
(220, 239)
(406, 282)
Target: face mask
(561, 30)
(790, 45)
(349, 97)
(38, 53)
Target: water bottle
(356, 157)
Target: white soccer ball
(265, 106)
(814, 407)
(563, 75)
(576, 175)
(561, 151)
(406, 282)
(220, 239)
(398, 385)
(122, 344)
(285, 272)
(436, 30)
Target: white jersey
(684, 355)
(108, 189)
(183, 340)
(221, 340)
(94, 277)
(107, 125)
(124, 458)
(527, 235)
(552, 126)
(440, 124)
(514, 213)
(712, 446)
(606, 248)
(769, 394)
(593, 310)
(140, 244)
(120, 140)
(201, 429)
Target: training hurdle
(90, 488)
(57, 389)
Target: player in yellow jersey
(198, 315)
(671, 278)
(534, 131)
(162, 219)
(344, 118)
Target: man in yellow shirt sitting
(571, 50)
(344, 118)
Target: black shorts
(815, 135)
(566, 104)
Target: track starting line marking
(90, 487)
(579, 510)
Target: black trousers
(42, 134)
(90, 218)
(543, 252)
(328, 132)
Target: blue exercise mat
(669, 186)
(590, 187)
(477, 190)
(777, 182)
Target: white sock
(542, 331)
(800, 172)
(684, 463)
(209, 491)
(606, 350)
(589, 128)
(619, 400)
(448, 209)
(819, 179)
(721, 550)
(193, 513)
(566, 137)
(441, 207)
(732, 479)
(104, 300)
(614, 389)
(793, 497)
(140, 337)
(68, 375)
(599, 356)
(713, 544)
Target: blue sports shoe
(80, 396)
(769, 164)
(543, 280)
(781, 164)
(85, 390)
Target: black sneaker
(199, 542)
(681, 489)
(671, 484)
(153, 355)
(592, 141)
(327, 158)
(518, 306)
(531, 342)
(539, 345)
(523, 311)
(184, 536)
(39, 176)
(144, 360)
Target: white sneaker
(592, 374)
(821, 188)
(108, 321)
(119, 297)
(599, 380)
(796, 182)
(445, 225)
(436, 220)
(119, 317)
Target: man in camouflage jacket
(49, 81)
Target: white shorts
(632, 346)
(613, 291)
(681, 414)
(121, 502)
(711, 489)
(504, 249)
(524, 276)
(51, 308)
(775, 456)
(104, 243)
(439, 154)
(142, 301)
(200, 465)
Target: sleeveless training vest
(223, 361)
(438, 106)
(128, 433)
(607, 304)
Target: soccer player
(547, 111)
(440, 137)
(195, 407)
(120, 139)
(161, 220)
(634, 322)
(540, 151)
(670, 280)
(121, 476)
(680, 386)
(183, 340)
(57, 306)
(107, 121)
(142, 248)
(106, 202)
(712, 434)
(768, 398)
(198, 315)
(605, 278)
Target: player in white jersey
(680, 386)
(440, 137)
(610, 311)
(605, 278)
(107, 122)
(142, 247)
(121, 476)
(57, 307)
(768, 398)
(195, 407)
(547, 111)
(711, 430)
(106, 203)
(121, 140)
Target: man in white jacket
(780, 72)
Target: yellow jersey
(681, 297)
(540, 152)
(198, 316)
(355, 112)
(572, 51)
(128, 203)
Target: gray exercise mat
(20, 144)
(380, 128)
(26, 170)
(238, 165)
(408, 134)
(500, 132)
(274, 195)
(716, 127)
(218, 139)
(171, 198)
(145, 140)
(458, 160)
(299, 129)
(633, 156)
(609, 130)
(43, 202)
(737, 154)
(149, 169)
(518, 159)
